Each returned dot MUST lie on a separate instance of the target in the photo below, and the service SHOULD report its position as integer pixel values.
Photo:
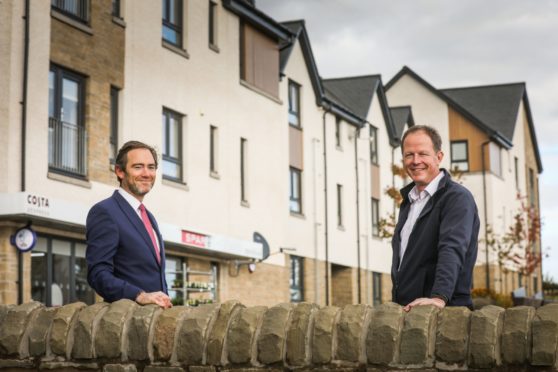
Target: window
(213, 154)
(460, 155)
(259, 60)
(376, 288)
(59, 272)
(113, 141)
(495, 159)
(116, 9)
(375, 217)
(531, 187)
(339, 205)
(338, 132)
(243, 149)
(173, 274)
(295, 190)
(172, 22)
(66, 128)
(76, 9)
(516, 169)
(373, 145)
(212, 23)
(294, 104)
(296, 279)
(172, 145)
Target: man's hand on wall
(426, 301)
(158, 298)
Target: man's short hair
(431, 132)
(122, 157)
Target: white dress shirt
(418, 202)
(135, 204)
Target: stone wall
(124, 336)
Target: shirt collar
(135, 203)
(430, 189)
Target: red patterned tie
(150, 231)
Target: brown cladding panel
(462, 129)
(375, 182)
(260, 60)
(295, 148)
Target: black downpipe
(357, 133)
(485, 214)
(326, 229)
(23, 139)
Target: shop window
(296, 279)
(460, 156)
(59, 272)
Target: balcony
(77, 9)
(67, 148)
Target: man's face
(421, 161)
(139, 176)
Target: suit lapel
(136, 221)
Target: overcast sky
(449, 43)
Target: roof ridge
(294, 21)
(354, 77)
(485, 86)
(401, 106)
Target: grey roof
(495, 105)
(285, 50)
(401, 115)
(354, 93)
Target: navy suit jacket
(121, 260)
(442, 247)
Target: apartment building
(488, 136)
(265, 170)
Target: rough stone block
(202, 369)
(545, 335)
(350, 329)
(119, 368)
(165, 332)
(241, 334)
(418, 336)
(112, 327)
(218, 332)
(163, 369)
(38, 331)
(298, 334)
(273, 333)
(382, 341)
(85, 329)
(68, 366)
(452, 335)
(322, 339)
(484, 339)
(192, 335)
(61, 339)
(14, 325)
(138, 335)
(4, 311)
(516, 334)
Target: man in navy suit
(436, 236)
(125, 251)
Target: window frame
(296, 86)
(338, 122)
(460, 160)
(376, 288)
(293, 199)
(212, 20)
(339, 205)
(179, 161)
(177, 27)
(82, 15)
(375, 208)
(243, 184)
(213, 149)
(373, 138)
(117, 9)
(113, 138)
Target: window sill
(71, 22)
(214, 48)
(298, 215)
(119, 21)
(340, 227)
(253, 88)
(68, 179)
(176, 184)
(175, 49)
(245, 203)
(297, 127)
(215, 175)
(339, 148)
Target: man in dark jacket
(436, 237)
